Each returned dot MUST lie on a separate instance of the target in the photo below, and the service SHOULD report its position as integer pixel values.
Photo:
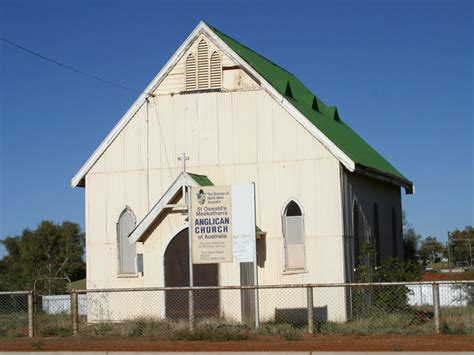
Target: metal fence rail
(177, 312)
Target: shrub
(213, 332)
(285, 330)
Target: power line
(71, 68)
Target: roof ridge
(293, 76)
(327, 119)
(250, 49)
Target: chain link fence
(225, 313)
(14, 311)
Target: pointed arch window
(355, 233)
(191, 81)
(216, 70)
(376, 235)
(293, 230)
(203, 65)
(126, 251)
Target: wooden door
(206, 302)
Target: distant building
(322, 191)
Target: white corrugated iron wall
(232, 137)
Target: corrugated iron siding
(231, 137)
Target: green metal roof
(325, 118)
(202, 180)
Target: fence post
(31, 323)
(36, 304)
(436, 306)
(309, 295)
(74, 312)
(191, 310)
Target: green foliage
(410, 240)
(389, 270)
(214, 332)
(381, 323)
(13, 325)
(54, 324)
(370, 300)
(49, 251)
(430, 246)
(285, 330)
(410, 244)
(461, 246)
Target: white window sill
(294, 272)
(132, 275)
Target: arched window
(126, 250)
(216, 71)
(293, 228)
(355, 233)
(203, 65)
(191, 82)
(394, 234)
(376, 235)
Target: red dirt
(445, 276)
(421, 342)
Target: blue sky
(400, 73)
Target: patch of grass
(214, 331)
(394, 323)
(54, 324)
(13, 324)
(457, 320)
(285, 330)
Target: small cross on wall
(183, 159)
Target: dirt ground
(422, 342)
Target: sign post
(191, 276)
(244, 232)
(222, 225)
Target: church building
(232, 116)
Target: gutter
(386, 177)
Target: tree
(460, 244)
(410, 240)
(430, 246)
(48, 252)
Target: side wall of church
(365, 193)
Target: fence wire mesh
(226, 313)
(13, 314)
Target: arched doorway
(176, 260)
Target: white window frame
(287, 270)
(120, 272)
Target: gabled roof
(325, 118)
(322, 121)
(175, 190)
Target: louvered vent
(191, 83)
(203, 65)
(216, 71)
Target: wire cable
(71, 68)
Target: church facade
(321, 191)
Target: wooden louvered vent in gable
(203, 65)
(191, 81)
(216, 70)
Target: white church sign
(244, 226)
(211, 232)
(223, 224)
